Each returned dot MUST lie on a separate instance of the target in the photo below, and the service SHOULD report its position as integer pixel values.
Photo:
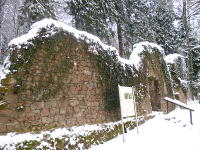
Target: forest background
(173, 24)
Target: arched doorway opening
(154, 94)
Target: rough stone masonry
(55, 83)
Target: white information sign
(126, 101)
(127, 105)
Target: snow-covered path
(166, 132)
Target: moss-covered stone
(27, 145)
(3, 106)
(112, 72)
(78, 141)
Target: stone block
(40, 104)
(78, 115)
(21, 118)
(85, 88)
(53, 104)
(65, 103)
(72, 88)
(71, 122)
(69, 110)
(82, 109)
(87, 72)
(74, 92)
(45, 112)
(3, 128)
(62, 111)
(83, 92)
(91, 104)
(11, 98)
(27, 109)
(96, 104)
(45, 120)
(30, 117)
(11, 127)
(73, 102)
(54, 111)
(61, 117)
(76, 109)
(62, 123)
(7, 112)
(28, 103)
(48, 104)
(37, 117)
(35, 111)
(68, 115)
(34, 107)
(38, 71)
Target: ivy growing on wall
(177, 73)
(24, 59)
(111, 71)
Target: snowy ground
(166, 132)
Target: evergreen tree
(106, 19)
(196, 62)
(2, 38)
(195, 69)
(131, 21)
(92, 16)
(162, 24)
(135, 23)
(35, 10)
(194, 58)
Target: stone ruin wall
(79, 101)
(156, 87)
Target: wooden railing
(178, 103)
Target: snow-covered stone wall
(58, 88)
(179, 75)
(60, 76)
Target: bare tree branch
(194, 13)
(197, 2)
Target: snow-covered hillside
(166, 132)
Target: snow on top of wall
(45, 23)
(135, 58)
(1, 102)
(3, 72)
(138, 49)
(171, 58)
(4, 69)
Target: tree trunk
(2, 2)
(185, 21)
(120, 12)
(186, 26)
(120, 40)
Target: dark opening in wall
(154, 94)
